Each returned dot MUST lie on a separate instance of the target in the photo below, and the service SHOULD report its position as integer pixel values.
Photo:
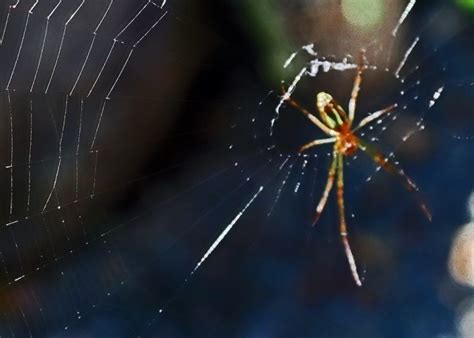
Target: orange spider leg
(342, 220)
(317, 143)
(384, 162)
(375, 115)
(327, 189)
(356, 87)
(310, 116)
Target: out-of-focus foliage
(468, 5)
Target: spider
(337, 125)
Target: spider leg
(327, 188)
(390, 167)
(342, 220)
(310, 116)
(316, 143)
(356, 86)
(375, 115)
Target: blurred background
(134, 132)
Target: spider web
(88, 97)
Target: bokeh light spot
(461, 259)
(470, 206)
(363, 14)
(465, 320)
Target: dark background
(166, 184)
